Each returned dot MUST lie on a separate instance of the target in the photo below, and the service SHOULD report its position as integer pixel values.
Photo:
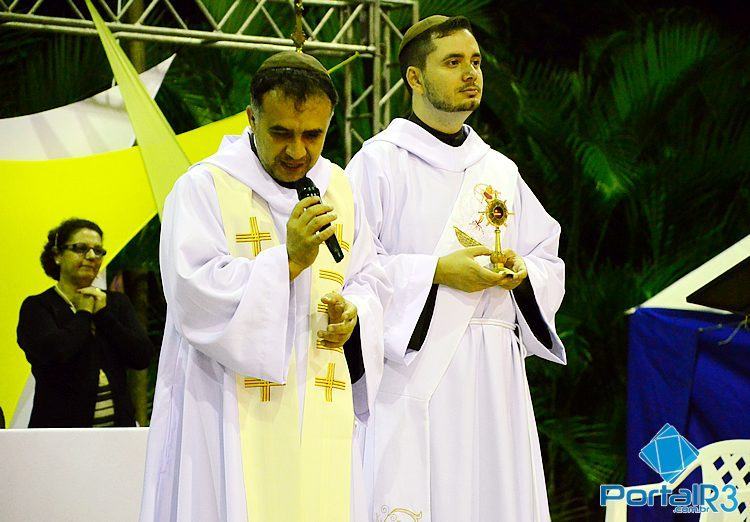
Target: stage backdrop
(111, 189)
(94, 125)
(121, 191)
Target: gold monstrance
(496, 213)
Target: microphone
(306, 188)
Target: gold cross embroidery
(340, 236)
(329, 383)
(331, 276)
(254, 237)
(265, 387)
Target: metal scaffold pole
(332, 27)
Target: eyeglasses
(82, 249)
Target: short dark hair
(415, 53)
(57, 237)
(298, 84)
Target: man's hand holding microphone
(310, 225)
(305, 232)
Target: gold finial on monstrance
(298, 36)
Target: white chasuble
(454, 436)
(252, 420)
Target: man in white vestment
(259, 397)
(472, 256)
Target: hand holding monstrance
(505, 262)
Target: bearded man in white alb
(255, 403)
(472, 256)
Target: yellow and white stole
(293, 476)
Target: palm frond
(583, 443)
(656, 64)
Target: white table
(91, 475)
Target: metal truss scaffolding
(369, 28)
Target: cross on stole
(329, 383)
(254, 237)
(340, 236)
(265, 387)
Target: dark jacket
(66, 354)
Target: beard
(442, 103)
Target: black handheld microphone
(306, 188)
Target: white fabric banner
(91, 126)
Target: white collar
(236, 157)
(408, 135)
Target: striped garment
(104, 409)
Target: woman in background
(79, 339)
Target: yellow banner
(163, 157)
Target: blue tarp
(679, 374)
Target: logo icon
(668, 453)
